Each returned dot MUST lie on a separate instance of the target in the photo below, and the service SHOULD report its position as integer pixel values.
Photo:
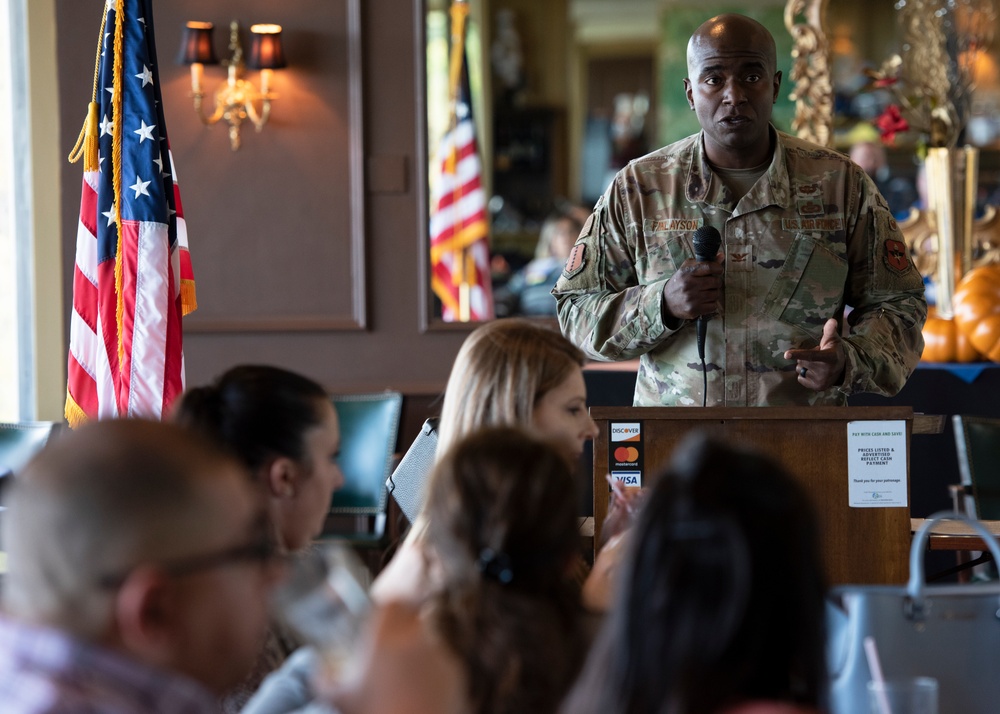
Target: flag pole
(459, 14)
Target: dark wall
(290, 269)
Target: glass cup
(910, 695)
(325, 602)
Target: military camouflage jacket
(811, 236)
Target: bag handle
(916, 585)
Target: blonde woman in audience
(720, 606)
(511, 372)
(502, 632)
(284, 429)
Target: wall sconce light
(236, 100)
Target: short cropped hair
(98, 501)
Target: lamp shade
(266, 51)
(196, 44)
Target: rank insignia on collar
(895, 256)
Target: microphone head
(707, 242)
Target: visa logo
(629, 479)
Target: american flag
(459, 229)
(133, 279)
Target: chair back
(977, 441)
(369, 424)
(20, 441)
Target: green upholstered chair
(19, 441)
(369, 425)
(977, 441)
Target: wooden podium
(860, 545)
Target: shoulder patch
(576, 262)
(893, 267)
(895, 256)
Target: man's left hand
(822, 367)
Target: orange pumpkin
(977, 309)
(944, 342)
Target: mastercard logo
(626, 453)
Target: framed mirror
(562, 93)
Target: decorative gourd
(944, 342)
(977, 309)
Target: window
(32, 345)
(9, 382)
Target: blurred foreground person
(720, 609)
(139, 566)
(503, 632)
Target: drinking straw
(618, 494)
(871, 652)
(616, 485)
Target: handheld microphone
(707, 242)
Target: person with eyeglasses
(140, 562)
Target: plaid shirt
(43, 671)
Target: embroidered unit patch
(895, 256)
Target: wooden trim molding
(424, 300)
(358, 317)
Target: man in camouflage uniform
(804, 233)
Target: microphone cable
(706, 241)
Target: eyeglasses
(262, 550)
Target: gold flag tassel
(86, 146)
(75, 416)
(86, 142)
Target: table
(959, 538)
(955, 535)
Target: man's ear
(777, 86)
(145, 613)
(688, 93)
(282, 478)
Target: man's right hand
(694, 290)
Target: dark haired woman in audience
(720, 607)
(284, 428)
(503, 631)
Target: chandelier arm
(259, 119)
(199, 108)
